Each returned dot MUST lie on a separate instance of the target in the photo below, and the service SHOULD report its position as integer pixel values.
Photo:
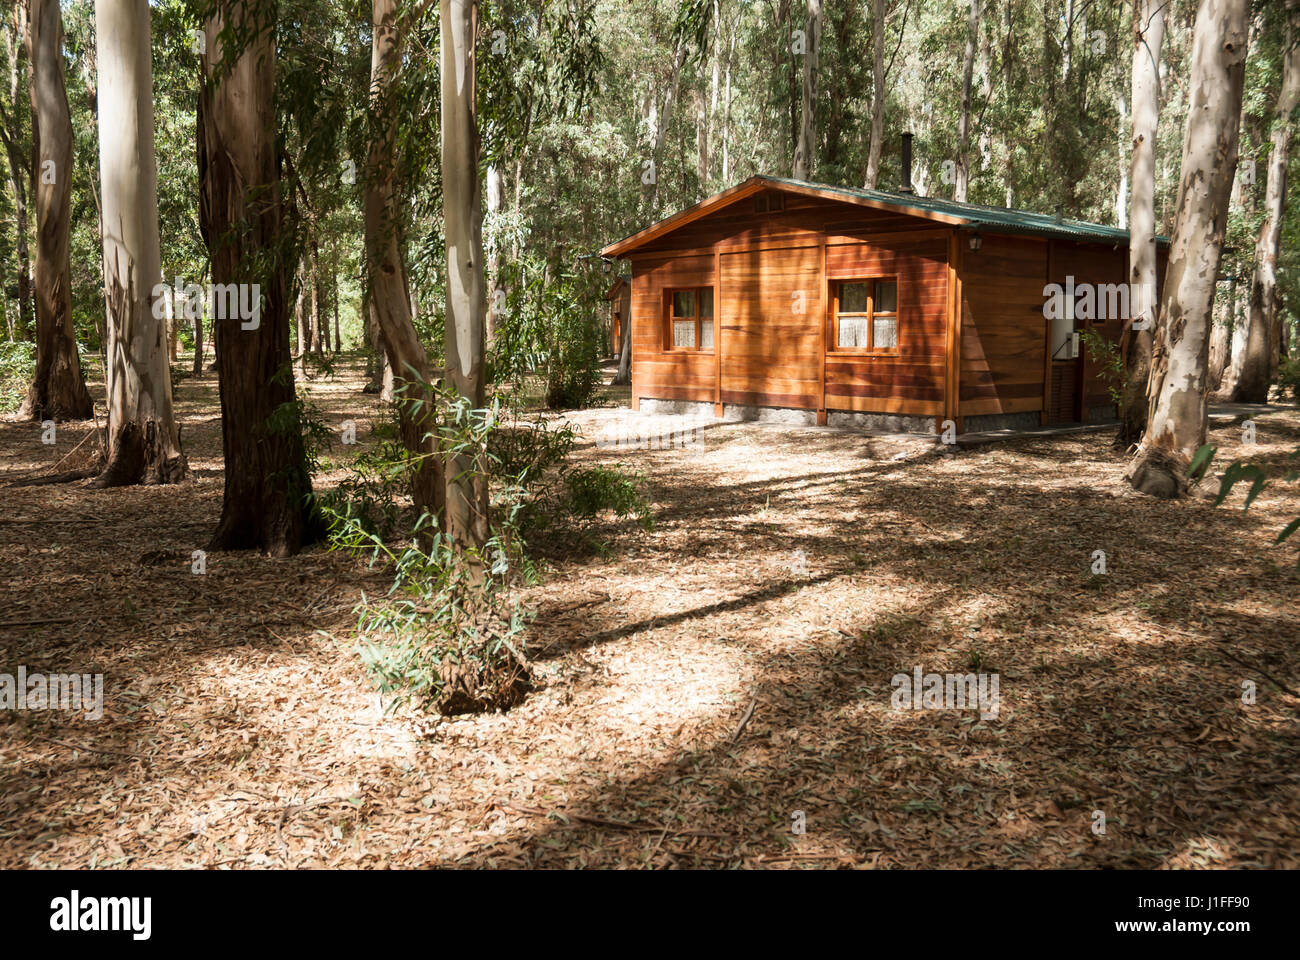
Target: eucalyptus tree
(267, 483)
(57, 391)
(1176, 426)
(143, 441)
(389, 287)
(1148, 38)
(1263, 330)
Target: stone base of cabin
(880, 422)
(660, 408)
(988, 422)
(745, 413)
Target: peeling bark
(412, 373)
(1176, 426)
(1148, 37)
(267, 484)
(57, 391)
(143, 441)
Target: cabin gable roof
(965, 216)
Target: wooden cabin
(802, 302)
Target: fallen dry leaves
(792, 572)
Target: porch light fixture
(976, 241)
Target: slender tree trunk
(878, 93)
(1258, 362)
(805, 159)
(268, 486)
(467, 493)
(15, 30)
(412, 372)
(312, 280)
(334, 304)
(198, 345)
(143, 442)
(57, 391)
(1148, 37)
(624, 375)
(1177, 395)
(1219, 341)
(961, 188)
(495, 201)
(300, 323)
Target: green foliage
(1288, 377)
(596, 490)
(449, 636)
(1236, 473)
(17, 367)
(550, 327)
(1106, 355)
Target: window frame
(833, 343)
(670, 317)
(769, 201)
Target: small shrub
(17, 367)
(596, 490)
(1288, 377)
(1105, 354)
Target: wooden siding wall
(656, 372)
(1004, 333)
(763, 268)
(761, 265)
(913, 382)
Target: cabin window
(690, 319)
(866, 315)
(770, 202)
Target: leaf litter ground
(702, 684)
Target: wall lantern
(976, 241)
(606, 264)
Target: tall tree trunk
(1177, 396)
(961, 188)
(467, 492)
(57, 391)
(301, 323)
(312, 280)
(1220, 343)
(15, 30)
(878, 93)
(1148, 37)
(143, 442)
(412, 373)
(495, 201)
(1258, 362)
(268, 485)
(805, 152)
(334, 304)
(624, 375)
(197, 371)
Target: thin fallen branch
(744, 721)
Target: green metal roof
(980, 217)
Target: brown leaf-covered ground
(701, 683)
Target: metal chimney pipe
(906, 186)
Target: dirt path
(791, 571)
